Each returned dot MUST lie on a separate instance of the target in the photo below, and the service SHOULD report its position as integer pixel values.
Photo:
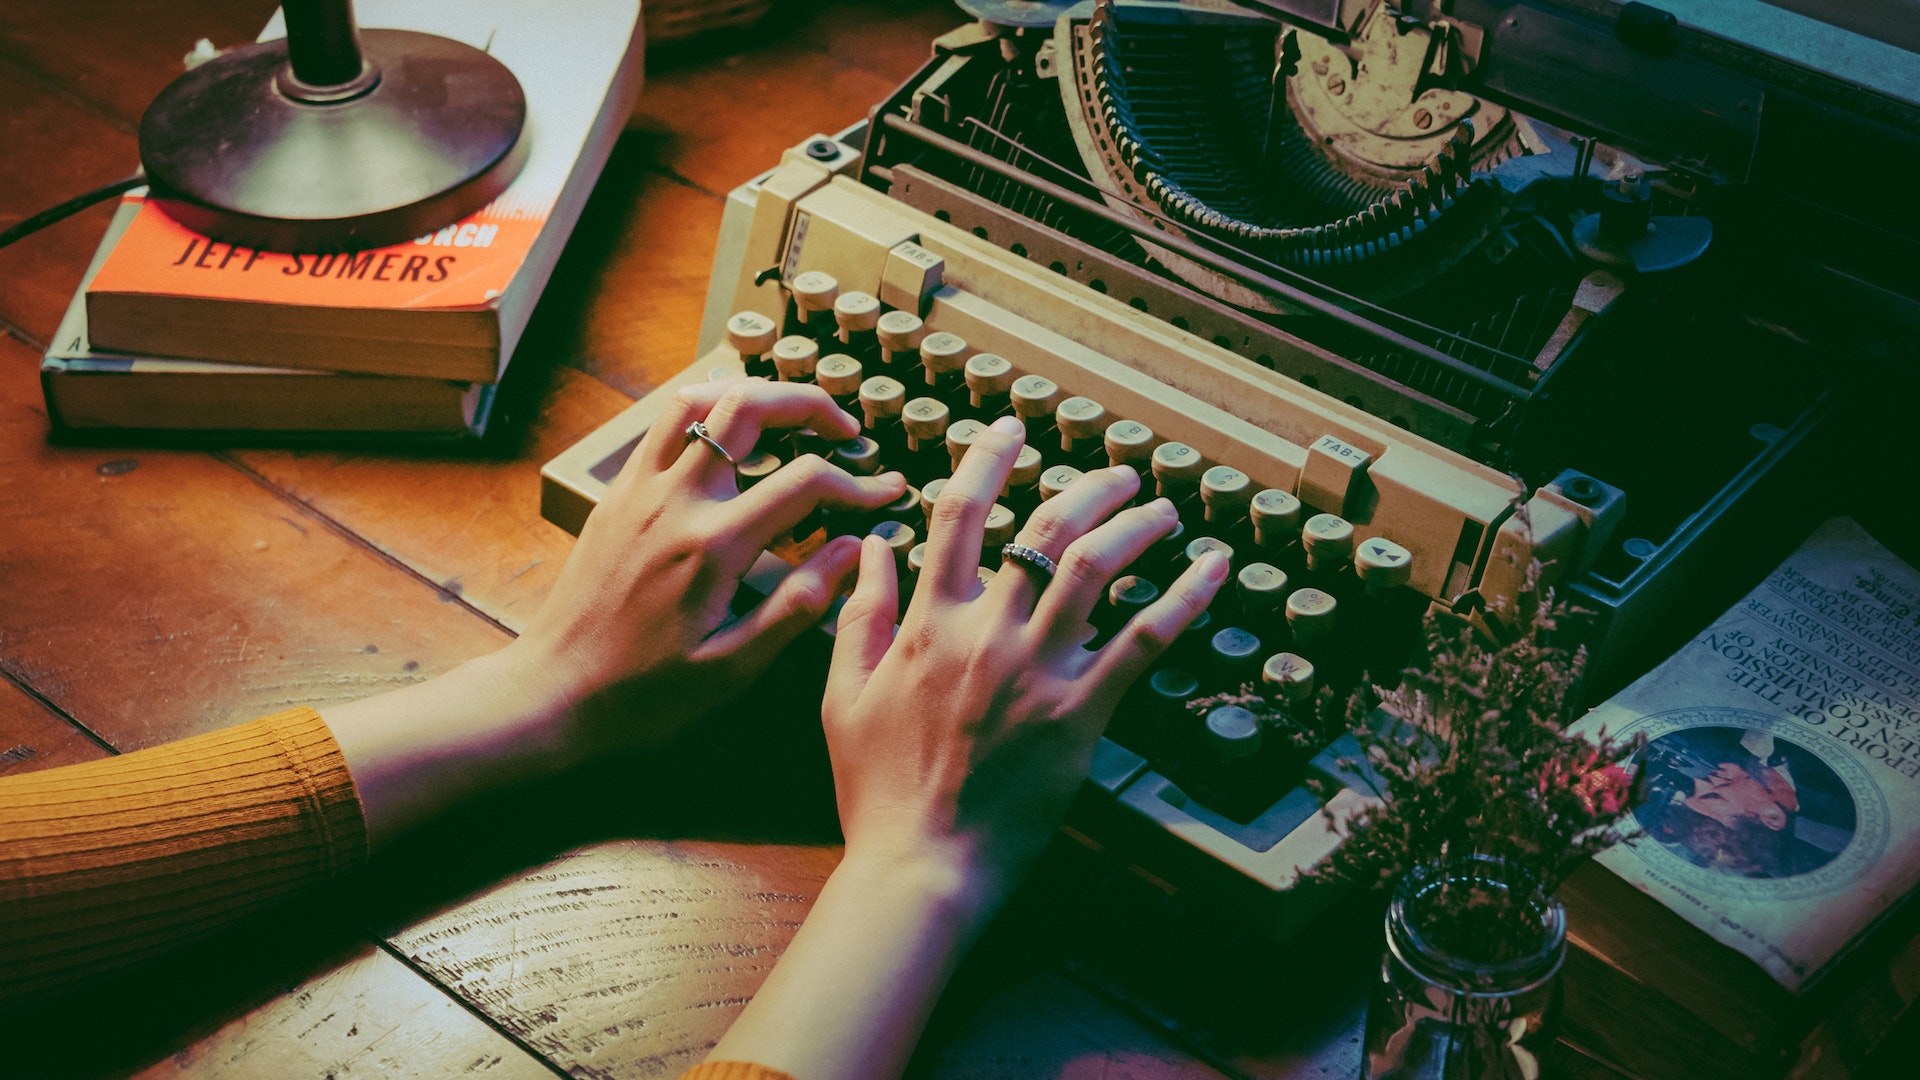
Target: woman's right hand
(962, 739)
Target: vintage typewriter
(1398, 301)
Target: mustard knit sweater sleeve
(110, 862)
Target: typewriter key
(1226, 491)
(944, 356)
(1328, 542)
(755, 467)
(1233, 733)
(1288, 676)
(1055, 480)
(841, 376)
(794, 357)
(1126, 597)
(1382, 564)
(989, 383)
(859, 455)
(1130, 442)
(900, 334)
(929, 492)
(752, 335)
(858, 317)
(1169, 690)
(900, 537)
(1034, 399)
(905, 509)
(1198, 547)
(1082, 422)
(925, 421)
(1310, 615)
(961, 436)
(1177, 469)
(1022, 483)
(1236, 657)
(1263, 589)
(1276, 519)
(881, 399)
(999, 531)
(813, 295)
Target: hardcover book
(93, 391)
(1781, 830)
(451, 304)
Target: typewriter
(1402, 304)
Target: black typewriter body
(1358, 256)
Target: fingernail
(1215, 569)
(1165, 507)
(1010, 425)
(1123, 471)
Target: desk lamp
(334, 138)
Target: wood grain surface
(610, 925)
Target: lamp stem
(322, 41)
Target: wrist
(941, 881)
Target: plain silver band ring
(698, 430)
(1029, 558)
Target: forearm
(415, 752)
(854, 989)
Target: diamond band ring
(1029, 558)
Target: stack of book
(173, 332)
(1763, 925)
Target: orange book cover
(463, 266)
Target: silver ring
(698, 430)
(1029, 558)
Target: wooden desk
(148, 594)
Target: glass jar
(1469, 986)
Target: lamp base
(242, 151)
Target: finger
(1147, 635)
(865, 630)
(745, 409)
(799, 602)
(1093, 561)
(772, 507)
(958, 522)
(1063, 519)
(666, 439)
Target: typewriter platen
(1388, 304)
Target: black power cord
(44, 218)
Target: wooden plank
(725, 118)
(55, 149)
(372, 1016)
(33, 736)
(172, 595)
(114, 54)
(470, 524)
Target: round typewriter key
(1026, 470)
(943, 355)
(1276, 518)
(1382, 564)
(1226, 491)
(900, 334)
(999, 531)
(1169, 553)
(1233, 732)
(905, 509)
(881, 399)
(1262, 588)
(1080, 417)
(1200, 545)
(859, 455)
(1129, 442)
(1328, 541)
(916, 558)
(899, 536)
(925, 420)
(1288, 675)
(989, 378)
(839, 375)
(1176, 470)
(1310, 615)
(961, 435)
(929, 492)
(794, 358)
(856, 312)
(1127, 596)
(751, 334)
(1169, 690)
(754, 468)
(1035, 397)
(1055, 480)
(814, 290)
(1236, 656)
